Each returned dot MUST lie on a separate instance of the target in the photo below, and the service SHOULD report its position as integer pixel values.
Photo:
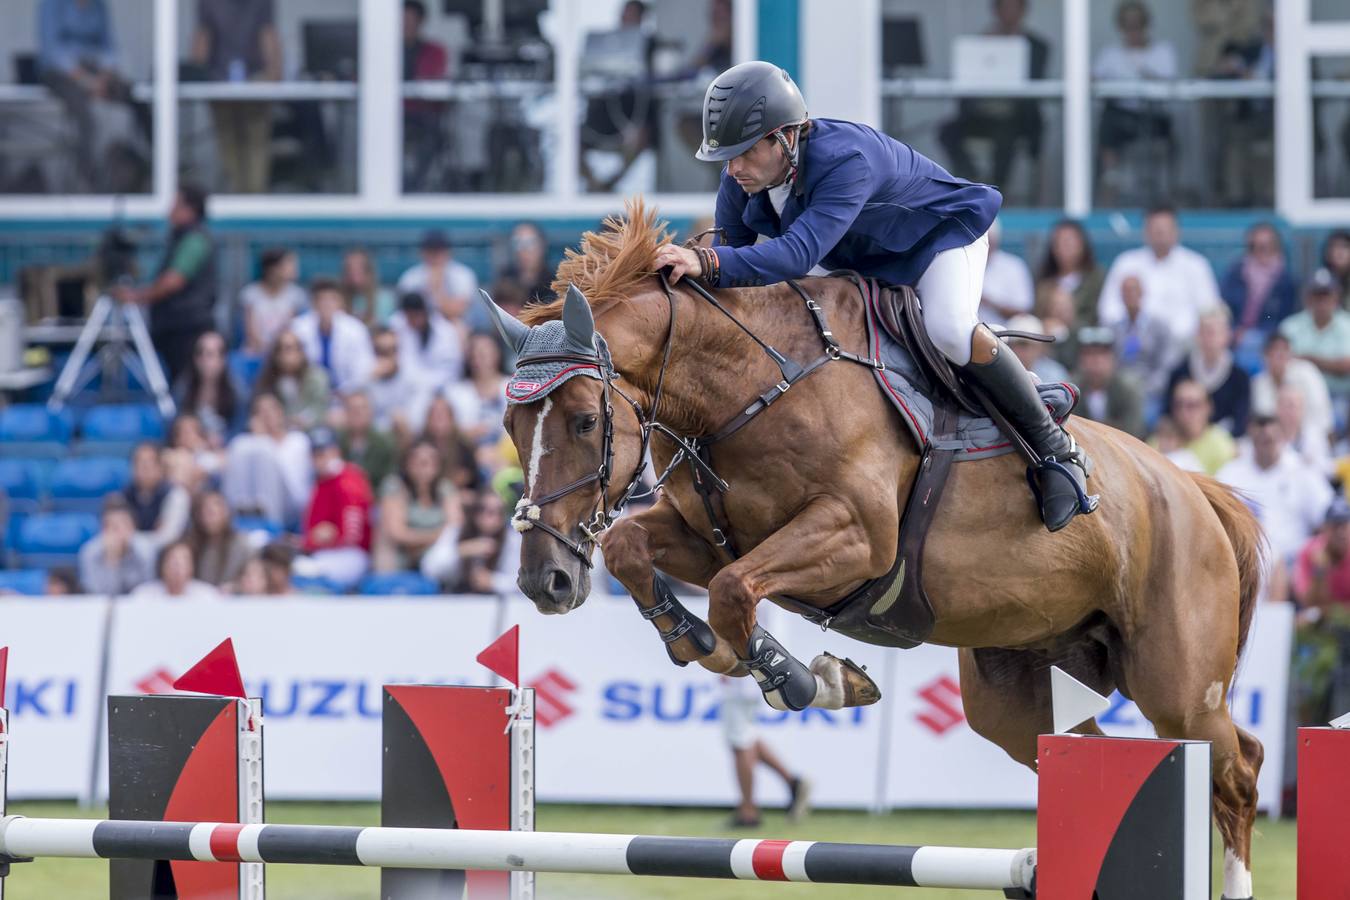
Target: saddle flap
(901, 314)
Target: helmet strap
(791, 151)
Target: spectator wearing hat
(1008, 288)
(1320, 334)
(337, 524)
(1322, 572)
(448, 286)
(116, 559)
(1289, 499)
(1109, 396)
(1211, 363)
(333, 338)
(1283, 370)
(430, 349)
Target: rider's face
(760, 167)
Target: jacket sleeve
(731, 203)
(834, 204)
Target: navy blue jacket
(861, 201)
(1281, 303)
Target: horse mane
(611, 264)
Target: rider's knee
(952, 337)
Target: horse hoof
(846, 680)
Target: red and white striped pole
(516, 851)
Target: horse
(1152, 595)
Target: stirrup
(1086, 502)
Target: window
(976, 86)
(479, 107)
(268, 95)
(643, 70)
(75, 97)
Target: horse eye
(587, 424)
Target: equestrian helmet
(744, 104)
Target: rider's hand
(681, 261)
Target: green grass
(88, 879)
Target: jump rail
(1011, 871)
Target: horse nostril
(559, 585)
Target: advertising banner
(53, 695)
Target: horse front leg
(822, 545)
(659, 536)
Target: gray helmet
(744, 104)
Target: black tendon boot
(1060, 481)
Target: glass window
(268, 96)
(1183, 103)
(644, 68)
(1331, 127)
(975, 85)
(478, 99)
(1330, 10)
(75, 92)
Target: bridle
(528, 513)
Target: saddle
(894, 610)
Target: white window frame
(1298, 41)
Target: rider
(843, 195)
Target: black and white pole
(518, 851)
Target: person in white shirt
(1309, 442)
(430, 349)
(1289, 498)
(1008, 286)
(268, 471)
(448, 286)
(272, 301)
(398, 399)
(1138, 57)
(176, 581)
(335, 339)
(1177, 282)
(1284, 370)
(1035, 355)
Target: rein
(696, 451)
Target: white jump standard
(601, 854)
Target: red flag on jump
(503, 655)
(216, 673)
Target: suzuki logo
(944, 705)
(159, 681)
(550, 697)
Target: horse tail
(1249, 545)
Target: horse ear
(512, 330)
(577, 319)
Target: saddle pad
(910, 392)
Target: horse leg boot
(789, 562)
(1060, 480)
(630, 549)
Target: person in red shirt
(337, 524)
(1322, 575)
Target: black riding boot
(1060, 482)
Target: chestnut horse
(1152, 595)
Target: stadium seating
(50, 540)
(29, 429)
(80, 484)
(411, 584)
(314, 585)
(245, 367)
(20, 484)
(31, 582)
(114, 430)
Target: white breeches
(950, 292)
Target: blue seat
(307, 585)
(249, 524)
(19, 483)
(31, 582)
(408, 584)
(79, 485)
(113, 430)
(51, 540)
(245, 367)
(29, 429)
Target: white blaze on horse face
(537, 450)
